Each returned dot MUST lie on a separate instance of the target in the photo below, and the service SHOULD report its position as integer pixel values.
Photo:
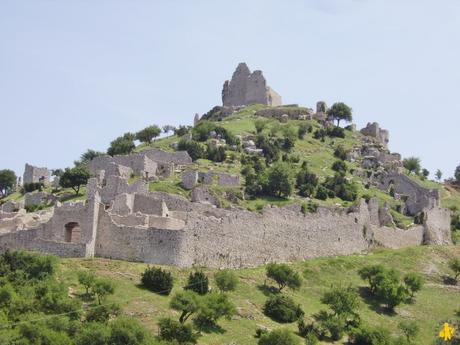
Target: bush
(171, 330)
(304, 128)
(19, 265)
(126, 330)
(87, 279)
(93, 333)
(102, 313)
(321, 193)
(412, 164)
(33, 186)
(216, 154)
(102, 288)
(198, 282)
(454, 265)
(284, 276)
(280, 180)
(157, 280)
(370, 336)
(311, 339)
(340, 152)
(339, 166)
(279, 337)
(414, 282)
(308, 207)
(193, 148)
(186, 302)
(282, 309)
(342, 301)
(306, 182)
(410, 330)
(226, 280)
(336, 132)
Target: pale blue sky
(76, 74)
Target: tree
(87, 279)
(284, 276)
(342, 301)
(102, 288)
(454, 265)
(389, 290)
(340, 111)
(280, 179)
(7, 181)
(182, 130)
(148, 133)
(226, 280)
(198, 282)
(171, 330)
(339, 166)
(410, 330)
(121, 145)
(304, 128)
(457, 174)
(306, 182)
(412, 164)
(414, 282)
(88, 156)
(279, 337)
(282, 309)
(168, 128)
(425, 173)
(186, 302)
(157, 280)
(340, 152)
(438, 175)
(213, 307)
(369, 272)
(74, 178)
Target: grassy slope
(435, 303)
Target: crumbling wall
(248, 88)
(36, 174)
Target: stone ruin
(33, 174)
(247, 88)
(373, 130)
(120, 220)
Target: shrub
(412, 164)
(311, 339)
(171, 330)
(193, 148)
(126, 330)
(370, 336)
(280, 180)
(279, 337)
(226, 280)
(321, 193)
(33, 186)
(87, 279)
(307, 182)
(282, 309)
(216, 154)
(340, 152)
(93, 333)
(19, 265)
(308, 207)
(342, 301)
(198, 282)
(102, 313)
(339, 166)
(102, 288)
(304, 128)
(157, 280)
(336, 132)
(454, 265)
(284, 276)
(410, 330)
(414, 282)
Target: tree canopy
(148, 133)
(7, 181)
(340, 111)
(74, 178)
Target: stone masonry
(248, 88)
(34, 174)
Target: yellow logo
(447, 332)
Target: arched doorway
(72, 232)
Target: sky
(76, 74)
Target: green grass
(435, 303)
(171, 185)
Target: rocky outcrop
(248, 88)
(374, 130)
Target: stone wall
(138, 163)
(36, 174)
(374, 130)
(418, 197)
(179, 158)
(248, 88)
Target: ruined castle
(247, 88)
(122, 219)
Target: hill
(435, 303)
